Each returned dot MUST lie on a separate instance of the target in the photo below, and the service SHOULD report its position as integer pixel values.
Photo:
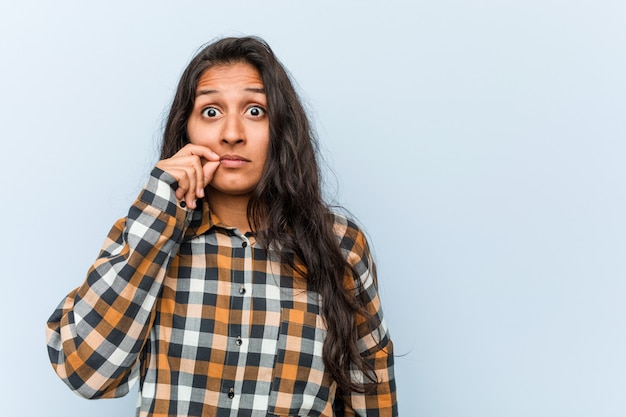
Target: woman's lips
(233, 161)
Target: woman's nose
(233, 131)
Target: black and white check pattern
(210, 323)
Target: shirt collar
(203, 220)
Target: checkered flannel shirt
(210, 323)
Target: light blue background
(480, 143)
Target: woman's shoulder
(344, 224)
(353, 243)
(349, 233)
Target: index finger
(201, 151)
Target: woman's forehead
(223, 75)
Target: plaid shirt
(210, 323)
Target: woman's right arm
(96, 334)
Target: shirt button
(244, 244)
(242, 290)
(239, 342)
(231, 393)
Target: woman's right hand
(193, 167)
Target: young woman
(230, 288)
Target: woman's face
(230, 117)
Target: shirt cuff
(160, 192)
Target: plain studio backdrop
(481, 144)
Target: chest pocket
(300, 387)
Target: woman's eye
(256, 111)
(210, 112)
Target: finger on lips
(193, 168)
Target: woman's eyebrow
(258, 90)
(205, 92)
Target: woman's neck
(232, 210)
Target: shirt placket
(239, 323)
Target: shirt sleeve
(374, 341)
(97, 332)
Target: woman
(230, 288)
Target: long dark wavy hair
(286, 209)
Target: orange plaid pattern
(210, 323)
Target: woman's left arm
(374, 342)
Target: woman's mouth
(233, 161)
